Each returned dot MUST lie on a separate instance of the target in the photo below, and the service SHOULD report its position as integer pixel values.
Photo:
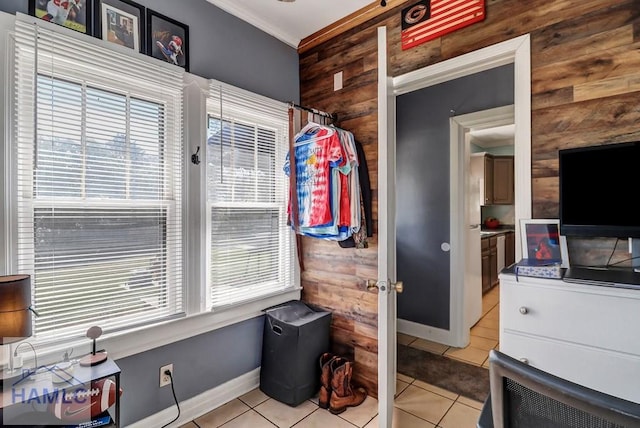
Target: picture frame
(167, 39)
(121, 22)
(74, 14)
(541, 240)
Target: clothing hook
(194, 157)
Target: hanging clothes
(327, 182)
(359, 238)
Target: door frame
(459, 147)
(515, 51)
(387, 302)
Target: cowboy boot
(343, 394)
(325, 379)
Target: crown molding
(345, 24)
(229, 6)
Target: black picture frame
(121, 22)
(74, 14)
(162, 32)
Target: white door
(386, 238)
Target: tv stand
(579, 332)
(622, 278)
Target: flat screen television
(599, 187)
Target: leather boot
(343, 394)
(325, 379)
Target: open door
(386, 281)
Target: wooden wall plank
(607, 87)
(618, 61)
(575, 36)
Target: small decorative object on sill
(94, 358)
(539, 268)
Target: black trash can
(295, 336)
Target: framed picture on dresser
(121, 22)
(541, 240)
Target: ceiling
(291, 21)
(493, 137)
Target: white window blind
(250, 244)
(98, 140)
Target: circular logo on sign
(415, 14)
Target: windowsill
(123, 344)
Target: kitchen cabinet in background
(496, 176)
(482, 169)
(489, 262)
(503, 181)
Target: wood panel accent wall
(585, 80)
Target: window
(99, 184)
(98, 207)
(250, 244)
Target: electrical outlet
(165, 379)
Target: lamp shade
(15, 308)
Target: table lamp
(15, 314)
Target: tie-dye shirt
(317, 150)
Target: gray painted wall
(230, 50)
(225, 48)
(422, 189)
(199, 364)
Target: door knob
(372, 285)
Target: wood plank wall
(585, 83)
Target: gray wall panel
(423, 215)
(13, 6)
(199, 364)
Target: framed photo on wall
(167, 39)
(121, 22)
(541, 240)
(74, 14)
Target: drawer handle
(523, 310)
(524, 360)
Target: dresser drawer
(572, 314)
(602, 370)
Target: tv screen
(598, 190)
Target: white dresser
(587, 334)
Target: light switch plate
(337, 81)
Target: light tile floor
(485, 335)
(417, 404)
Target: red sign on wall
(430, 19)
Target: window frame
(197, 318)
(242, 118)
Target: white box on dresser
(587, 334)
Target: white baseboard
(425, 332)
(203, 403)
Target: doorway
(516, 51)
(473, 135)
